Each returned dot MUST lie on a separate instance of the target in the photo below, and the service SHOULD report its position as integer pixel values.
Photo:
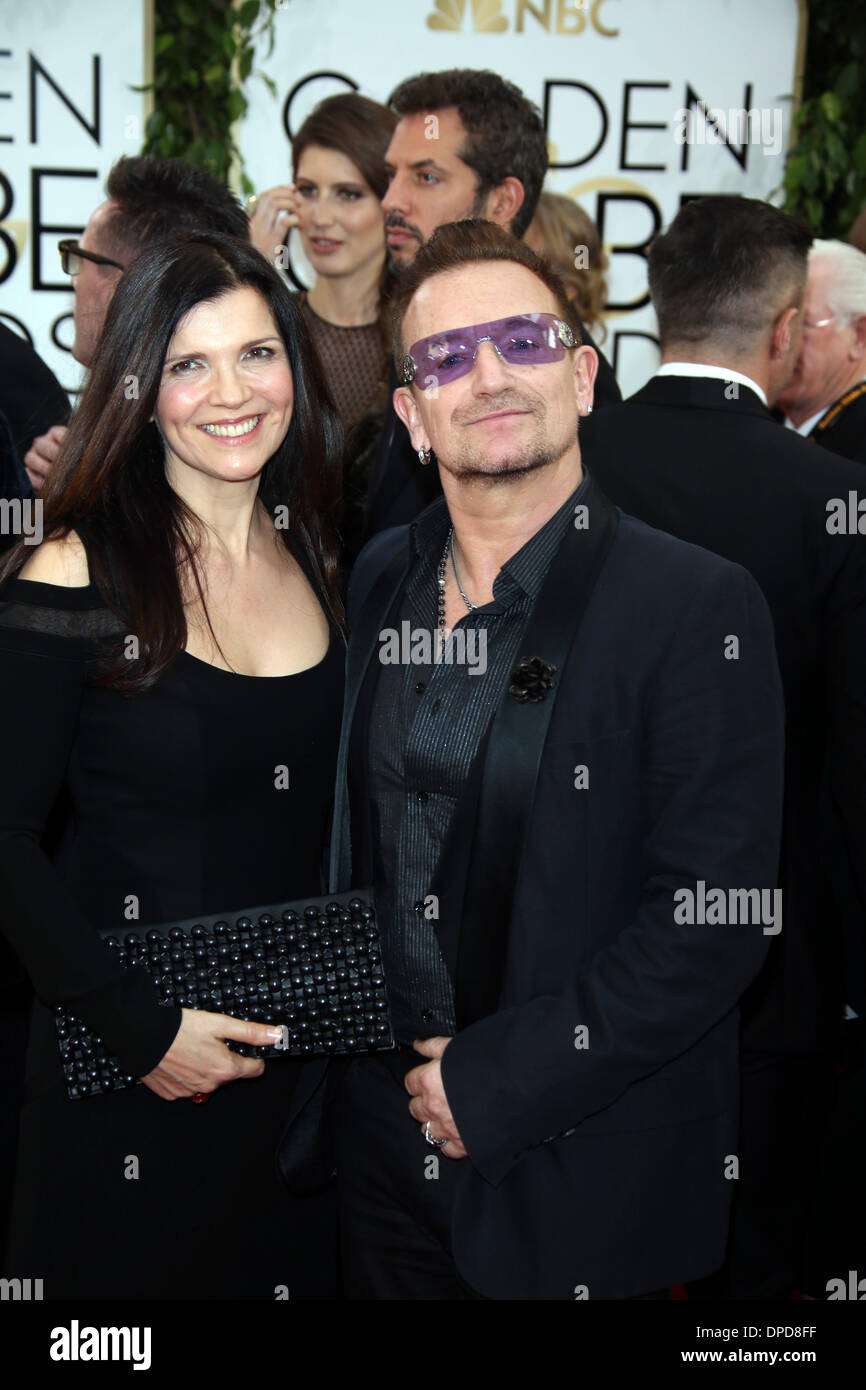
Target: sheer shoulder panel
(49, 636)
(41, 612)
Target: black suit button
(419, 687)
(427, 1015)
(422, 797)
(418, 907)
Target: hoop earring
(424, 455)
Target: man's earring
(424, 455)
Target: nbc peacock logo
(550, 16)
(487, 16)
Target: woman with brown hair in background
(338, 164)
(559, 231)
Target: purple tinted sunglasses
(523, 340)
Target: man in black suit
(32, 400)
(825, 400)
(468, 144)
(696, 453)
(544, 799)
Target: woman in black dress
(171, 660)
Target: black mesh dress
(176, 807)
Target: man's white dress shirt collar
(704, 369)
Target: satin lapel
(509, 772)
(383, 451)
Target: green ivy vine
(203, 56)
(825, 173)
(204, 52)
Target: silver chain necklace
(440, 582)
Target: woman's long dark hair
(109, 480)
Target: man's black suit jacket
(31, 397)
(400, 487)
(687, 455)
(597, 1161)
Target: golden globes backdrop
(67, 111)
(646, 103)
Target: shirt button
(419, 687)
(436, 704)
(426, 1015)
(422, 797)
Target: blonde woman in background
(558, 230)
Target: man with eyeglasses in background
(825, 400)
(149, 199)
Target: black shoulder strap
(517, 736)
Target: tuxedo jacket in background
(602, 1167)
(31, 397)
(400, 487)
(713, 468)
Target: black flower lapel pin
(531, 679)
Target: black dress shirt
(429, 717)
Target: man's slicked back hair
(505, 132)
(160, 199)
(457, 244)
(725, 268)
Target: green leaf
(269, 83)
(836, 150)
(831, 106)
(246, 64)
(248, 13)
(236, 105)
(847, 82)
(813, 213)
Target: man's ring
(251, 203)
(200, 1097)
(437, 1143)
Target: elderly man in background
(825, 399)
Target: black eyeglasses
(71, 256)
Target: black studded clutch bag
(313, 968)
